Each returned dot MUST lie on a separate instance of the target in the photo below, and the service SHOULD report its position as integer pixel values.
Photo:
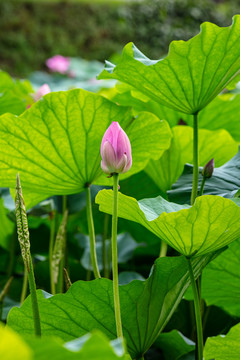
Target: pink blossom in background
(43, 90)
(58, 63)
(115, 150)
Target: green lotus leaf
(146, 306)
(210, 224)
(224, 347)
(212, 144)
(55, 145)
(193, 73)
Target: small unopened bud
(58, 63)
(115, 150)
(208, 169)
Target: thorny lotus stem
(105, 252)
(23, 237)
(115, 258)
(197, 312)
(62, 264)
(195, 159)
(25, 285)
(91, 232)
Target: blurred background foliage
(31, 32)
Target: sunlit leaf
(55, 145)
(146, 306)
(193, 73)
(210, 224)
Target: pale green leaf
(55, 145)
(12, 346)
(224, 347)
(193, 73)
(212, 144)
(210, 224)
(146, 306)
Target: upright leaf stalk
(23, 238)
(195, 159)
(115, 258)
(91, 232)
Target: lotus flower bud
(115, 150)
(58, 63)
(43, 90)
(208, 169)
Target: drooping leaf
(193, 73)
(224, 181)
(89, 305)
(12, 346)
(212, 144)
(224, 347)
(55, 145)
(210, 224)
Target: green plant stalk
(115, 258)
(202, 186)
(33, 292)
(195, 159)
(163, 249)
(25, 285)
(51, 245)
(91, 232)
(60, 283)
(104, 252)
(197, 308)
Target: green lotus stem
(62, 264)
(105, 256)
(202, 186)
(115, 258)
(197, 308)
(195, 159)
(23, 238)
(163, 249)
(91, 232)
(25, 285)
(51, 246)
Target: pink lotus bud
(207, 171)
(58, 63)
(115, 150)
(43, 90)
